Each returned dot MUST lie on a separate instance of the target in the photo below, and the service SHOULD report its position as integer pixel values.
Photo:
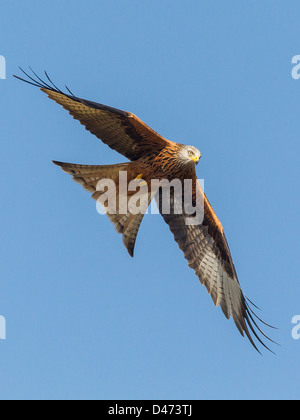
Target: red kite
(153, 157)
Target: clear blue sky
(84, 320)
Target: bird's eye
(191, 153)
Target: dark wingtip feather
(254, 327)
(40, 83)
(57, 163)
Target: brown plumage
(204, 245)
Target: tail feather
(89, 175)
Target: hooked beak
(196, 159)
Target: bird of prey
(153, 157)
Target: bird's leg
(140, 180)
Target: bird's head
(189, 155)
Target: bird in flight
(152, 157)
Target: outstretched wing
(120, 130)
(206, 249)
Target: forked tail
(94, 177)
